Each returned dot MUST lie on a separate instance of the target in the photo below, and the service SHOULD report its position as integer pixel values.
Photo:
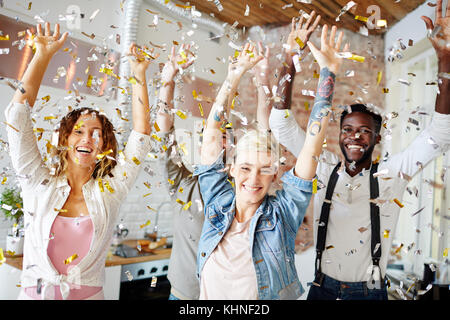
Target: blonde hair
(256, 140)
(59, 154)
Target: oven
(143, 280)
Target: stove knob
(141, 272)
(165, 268)
(154, 269)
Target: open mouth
(355, 147)
(252, 189)
(85, 150)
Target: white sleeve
(25, 156)
(429, 144)
(286, 130)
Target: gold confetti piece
(154, 136)
(171, 181)
(187, 205)
(329, 247)
(2, 256)
(109, 72)
(4, 37)
(110, 189)
(180, 202)
(444, 255)
(300, 42)
(29, 5)
(398, 249)
(10, 253)
(100, 185)
(362, 229)
(194, 94)
(4, 180)
(145, 224)
(78, 125)
(151, 208)
(385, 90)
(46, 98)
(361, 18)
(92, 36)
(286, 111)
(316, 75)
(136, 161)
(89, 80)
(357, 58)
(70, 259)
(181, 190)
(382, 23)
(132, 80)
(386, 233)
(152, 12)
(156, 127)
(181, 114)
(147, 194)
(147, 185)
(49, 117)
(314, 186)
(231, 182)
(60, 210)
(306, 105)
(11, 126)
(379, 76)
(101, 155)
(201, 109)
(398, 203)
(175, 42)
(212, 71)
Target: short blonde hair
(256, 140)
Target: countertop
(111, 260)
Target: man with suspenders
(355, 214)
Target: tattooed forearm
(322, 102)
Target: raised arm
(439, 35)
(139, 97)
(183, 59)
(329, 63)
(264, 99)
(47, 45)
(212, 136)
(283, 125)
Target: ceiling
(281, 12)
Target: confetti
(181, 114)
(70, 259)
(418, 211)
(2, 257)
(187, 205)
(344, 9)
(136, 161)
(314, 186)
(300, 42)
(154, 280)
(4, 38)
(386, 233)
(129, 275)
(247, 10)
(4, 50)
(360, 18)
(94, 14)
(145, 224)
(398, 203)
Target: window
(413, 96)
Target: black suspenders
(323, 221)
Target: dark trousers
(332, 289)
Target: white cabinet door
(9, 279)
(111, 288)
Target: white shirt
(229, 273)
(349, 229)
(42, 193)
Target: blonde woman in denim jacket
(246, 249)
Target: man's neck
(354, 169)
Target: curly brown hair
(103, 166)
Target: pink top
(229, 273)
(69, 236)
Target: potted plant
(11, 204)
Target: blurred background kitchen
(398, 76)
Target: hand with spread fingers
(439, 32)
(246, 60)
(300, 33)
(327, 55)
(47, 44)
(183, 59)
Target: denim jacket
(273, 228)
